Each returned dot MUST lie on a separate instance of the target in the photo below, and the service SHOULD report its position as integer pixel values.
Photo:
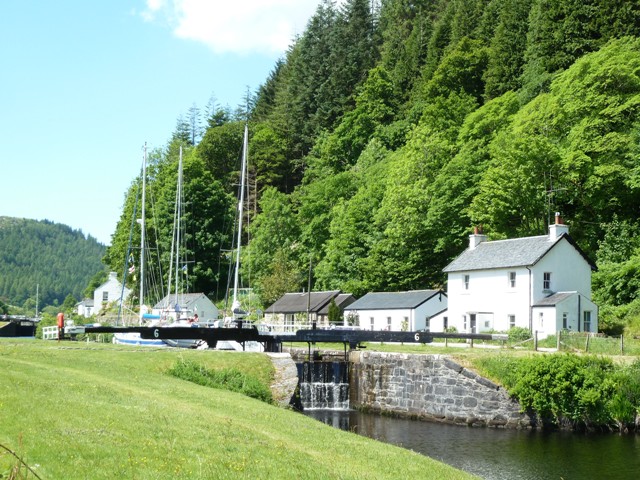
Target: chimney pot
(559, 219)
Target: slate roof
(343, 300)
(297, 302)
(554, 299)
(185, 299)
(393, 300)
(517, 252)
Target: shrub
(229, 379)
(566, 389)
(518, 334)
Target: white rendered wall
(569, 272)
(489, 295)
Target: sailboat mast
(142, 228)
(178, 219)
(245, 148)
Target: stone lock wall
(431, 387)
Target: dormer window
(546, 281)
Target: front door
(472, 323)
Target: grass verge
(73, 410)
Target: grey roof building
(188, 304)
(387, 300)
(317, 303)
(542, 283)
(412, 310)
(517, 252)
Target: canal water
(497, 454)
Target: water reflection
(502, 454)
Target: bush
(518, 334)
(229, 379)
(570, 390)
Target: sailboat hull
(134, 339)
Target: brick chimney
(558, 228)
(477, 237)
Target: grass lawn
(94, 411)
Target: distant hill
(58, 259)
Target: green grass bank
(74, 410)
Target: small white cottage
(541, 283)
(399, 311)
(85, 308)
(186, 306)
(109, 292)
(294, 308)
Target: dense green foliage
(50, 258)
(390, 128)
(571, 390)
(230, 379)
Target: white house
(541, 283)
(85, 307)
(109, 292)
(186, 305)
(398, 311)
(293, 308)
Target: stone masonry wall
(432, 387)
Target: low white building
(399, 311)
(294, 308)
(185, 306)
(541, 283)
(109, 292)
(85, 308)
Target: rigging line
(126, 258)
(158, 277)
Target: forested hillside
(52, 257)
(390, 128)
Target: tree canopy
(389, 129)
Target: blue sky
(84, 84)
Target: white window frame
(546, 281)
(512, 279)
(465, 281)
(586, 321)
(512, 320)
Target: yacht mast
(236, 304)
(142, 229)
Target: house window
(586, 324)
(466, 282)
(564, 321)
(427, 325)
(388, 323)
(371, 322)
(464, 323)
(512, 321)
(512, 279)
(546, 282)
(541, 320)
(445, 323)
(105, 296)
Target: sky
(84, 84)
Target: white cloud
(238, 26)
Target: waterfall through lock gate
(324, 385)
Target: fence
(50, 333)
(597, 343)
